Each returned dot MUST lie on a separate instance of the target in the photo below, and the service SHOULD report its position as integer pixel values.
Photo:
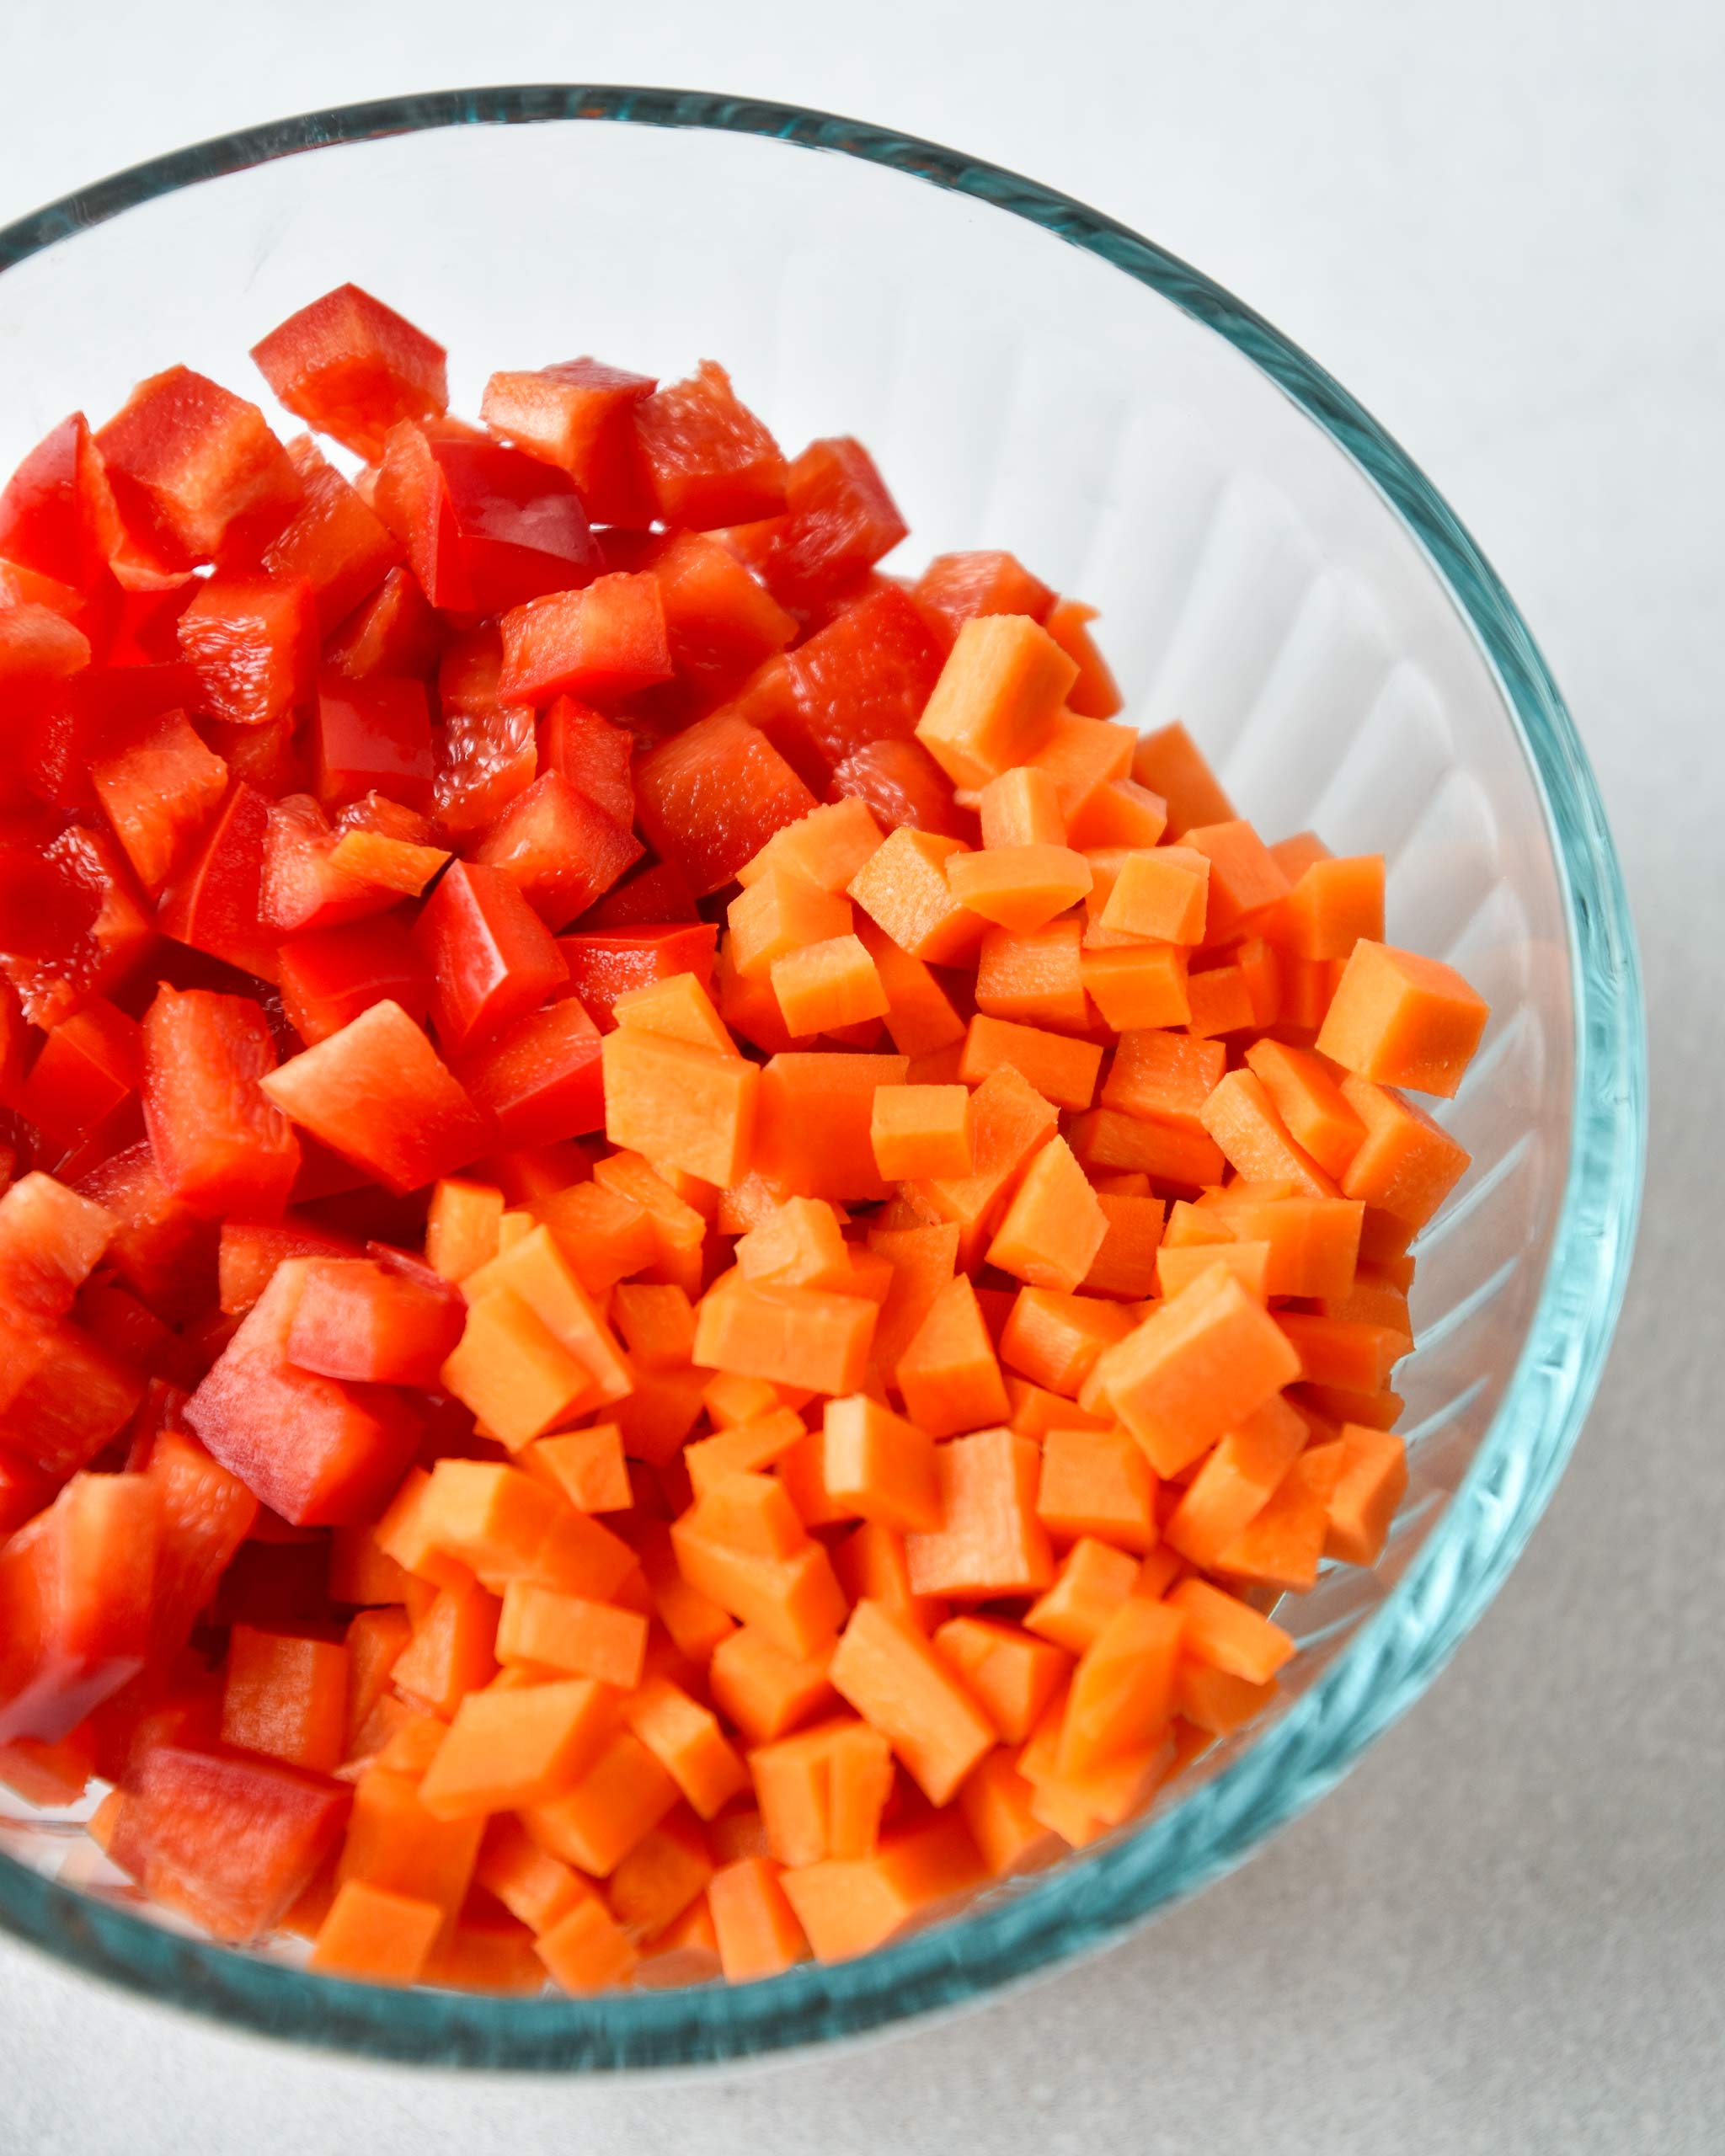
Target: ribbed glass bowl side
(1322, 595)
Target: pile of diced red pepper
(684, 1251)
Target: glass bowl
(1269, 566)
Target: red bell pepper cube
(486, 759)
(207, 1513)
(838, 521)
(604, 965)
(394, 631)
(39, 649)
(540, 1077)
(221, 1145)
(330, 976)
(373, 1324)
(319, 1452)
(215, 904)
(158, 785)
(378, 1094)
(351, 367)
(251, 1250)
(23, 1491)
(51, 1240)
(605, 642)
(252, 640)
(720, 622)
(489, 956)
(373, 736)
(116, 940)
(57, 513)
(659, 893)
(865, 677)
(46, 907)
(63, 1396)
(710, 798)
(579, 415)
(335, 539)
(196, 469)
(131, 1332)
(302, 887)
(232, 1842)
(709, 460)
(902, 784)
(88, 1066)
(561, 848)
(75, 1592)
(163, 1251)
(958, 588)
(582, 746)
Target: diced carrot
(847, 1906)
(922, 1130)
(1309, 1102)
(923, 1259)
(677, 1008)
(586, 1950)
(544, 1630)
(1195, 1370)
(513, 1372)
(621, 1797)
(1121, 1694)
(893, 1677)
(796, 1601)
(826, 988)
(375, 1936)
(532, 1885)
(1352, 1354)
(1222, 1630)
(879, 1466)
(903, 889)
(1241, 1117)
(1094, 694)
(1062, 1071)
(1038, 978)
(1093, 1580)
(949, 1374)
(1216, 1701)
(1138, 985)
(685, 1739)
(989, 1541)
(1096, 1483)
(1010, 1673)
(1398, 1019)
(814, 1117)
(800, 1244)
(375, 1640)
(692, 1106)
(1407, 1165)
(920, 1014)
(1055, 1339)
(1054, 1226)
(1036, 1411)
(1161, 892)
(492, 1518)
(1236, 1482)
(1333, 906)
(1245, 879)
(460, 1228)
(1339, 1404)
(1018, 887)
(1371, 1484)
(1021, 807)
(694, 1622)
(585, 1466)
(1126, 1263)
(789, 1336)
(827, 847)
(1170, 763)
(758, 1933)
(536, 1270)
(1164, 1077)
(394, 1843)
(1221, 1000)
(1119, 813)
(763, 1689)
(1009, 1121)
(750, 1513)
(661, 1877)
(743, 1449)
(779, 912)
(997, 698)
(1177, 1268)
(452, 1652)
(1189, 1160)
(659, 1413)
(996, 1801)
(1282, 1544)
(871, 1566)
(1313, 1242)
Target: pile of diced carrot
(686, 1251)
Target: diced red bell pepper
(394, 631)
(232, 1842)
(52, 989)
(207, 1513)
(319, 1452)
(709, 799)
(271, 759)
(302, 887)
(88, 1065)
(485, 527)
(604, 966)
(470, 668)
(710, 461)
(658, 892)
(902, 784)
(61, 1396)
(957, 588)
(158, 785)
(351, 367)
(540, 1078)
(838, 520)
(60, 736)
(578, 416)
(373, 736)
(604, 642)
(378, 1094)
(39, 649)
(593, 754)
(51, 1240)
(131, 1332)
(561, 848)
(252, 640)
(330, 976)
(215, 904)
(489, 956)
(75, 1592)
(142, 628)
(251, 1250)
(486, 759)
(863, 678)
(20, 586)
(221, 1145)
(57, 513)
(720, 622)
(196, 469)
(371, 1324)
(45, 906)
(164, 1251)
(335, 539)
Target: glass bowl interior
(1269, 567)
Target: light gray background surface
(1502, 223)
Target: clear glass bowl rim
(1396, 1653)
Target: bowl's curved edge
(1395, 1655)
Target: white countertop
(1500, 225)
